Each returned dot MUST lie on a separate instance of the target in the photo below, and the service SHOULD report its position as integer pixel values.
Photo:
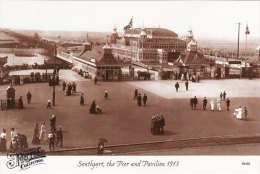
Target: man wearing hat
(53, 123)
(59, 136)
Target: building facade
(146, 45)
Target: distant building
(146, 45)
(101, 64)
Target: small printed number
(246, 163)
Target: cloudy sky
(208, 19)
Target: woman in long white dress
(212, 104)
(238, 113)
(43, 133)
(219, 104)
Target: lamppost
(54, 76)
(238, 49)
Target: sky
(207, 19)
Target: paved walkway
(122, 121)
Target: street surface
(123, 122)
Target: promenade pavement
(123, 122)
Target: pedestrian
(139, 100)
(224, 95)
(43, 132)
(221, 95)
(59, 134)
(212, 105)
(92, 109)
(82, 99)
(244, 113)
(219, 104)
(205, 101)
(228, 103)
(20, 103)
(49, 104)
(195, 101)
(238, 113)
(100, 148)
(14, 135)
(198, 79)
(69, 90)
(29, 97)
(36, 135)
(95, 80)
(187, 85)
(64, 85)
(177, 86)
(135, 93)
(144, 99)
(153, 120)
(106, 95)
(74, 86)
(162, 124)
(51, 138)
(53, 123)
(192, 102)
(158, 125)
(3, 141)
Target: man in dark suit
(205, 101)
(29, 97)
(195, 101)
(144, 99)
(139, 100)
(177, 86)
(136, 93)
(228, 103)
(192, 102)
(187, 85)
(53, 123)
(59, 136)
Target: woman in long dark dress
(81, 99)
(3, 141)
(92, 108)
(36, 134)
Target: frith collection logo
(25, 159)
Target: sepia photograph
(151, 81)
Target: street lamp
(54, 76)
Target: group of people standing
(70, 88)
(18, 141)
(54, 136)
(139, 98)
(157, 125)
(194, 102)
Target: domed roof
(156, 32)
(161, 32)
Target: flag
(247, 30)
(129, 25)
